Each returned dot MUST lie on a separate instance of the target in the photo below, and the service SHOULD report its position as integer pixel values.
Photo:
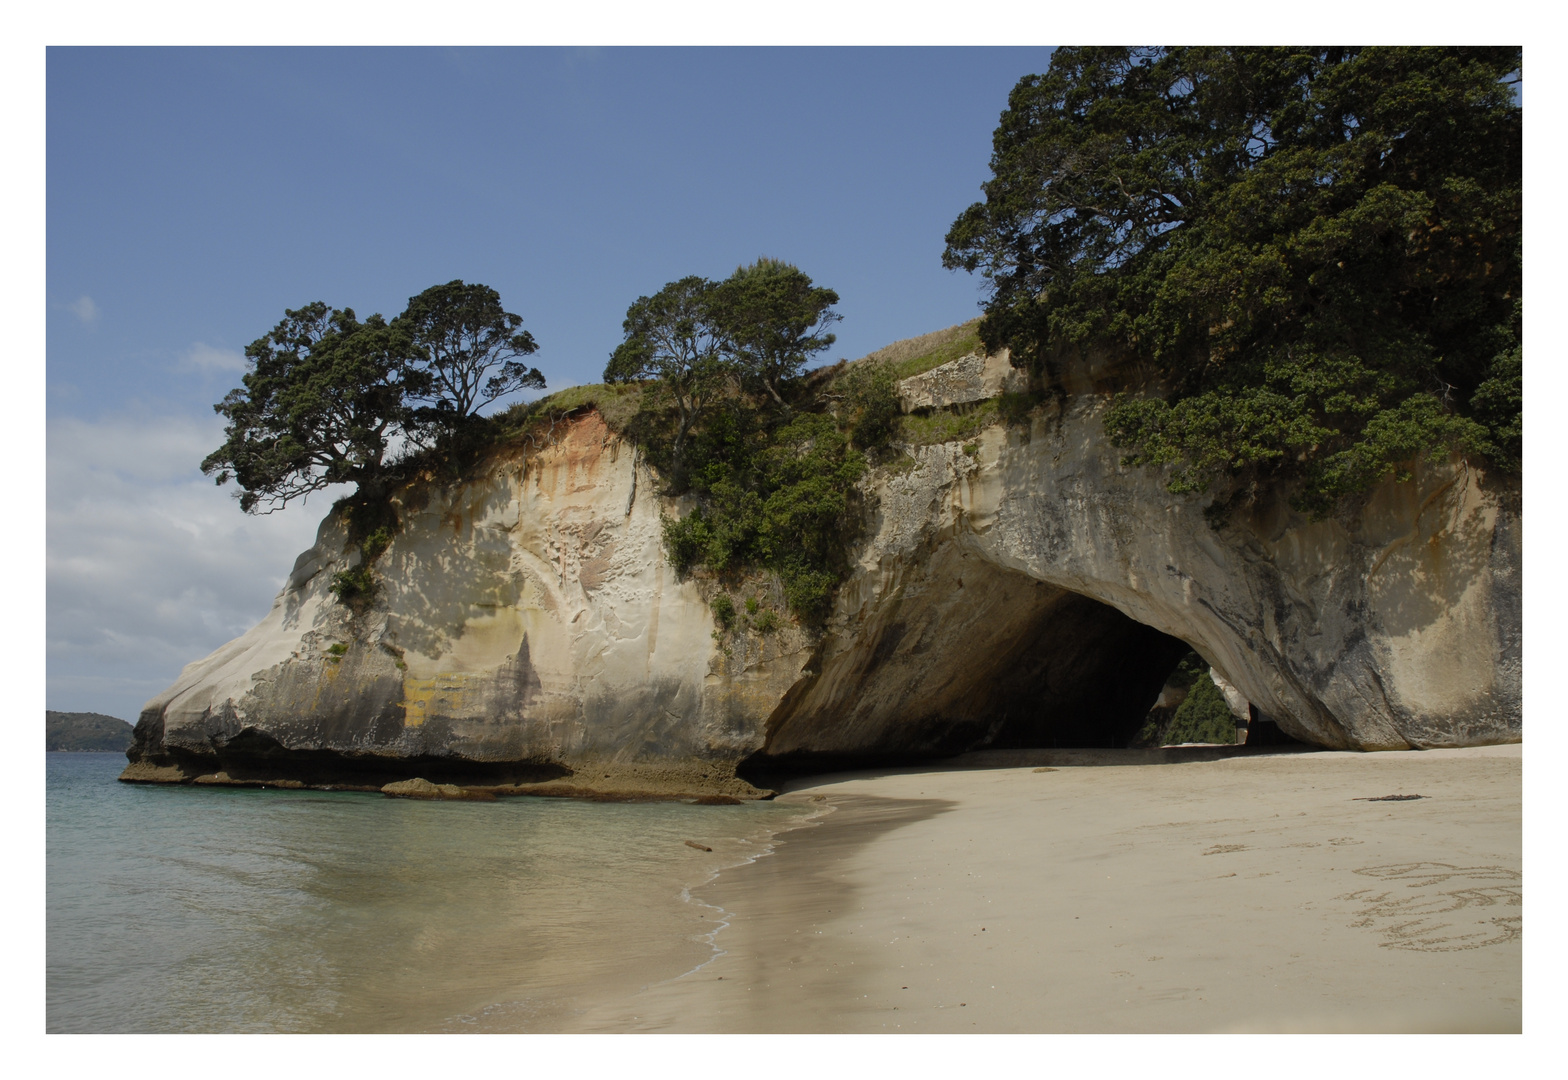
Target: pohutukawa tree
(1318, 250)
(675, 338)
(469, 348)
(324, 395)
(773, 487)
(328, 398)
(774, 320)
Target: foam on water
(236, 909)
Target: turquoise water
(235, 909)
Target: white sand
(1250, 894)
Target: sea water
(176, 908)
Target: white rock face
(1235, 700)
(1034, 592)
(1398, 628)
(958, 382)
(527, 616)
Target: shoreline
(1249, 893)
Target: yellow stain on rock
(449, 692)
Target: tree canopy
(774, 320)
(673, 337)
(324, 394)
(1319, 250)
(328, 398)
(468, 347)
(773, 488)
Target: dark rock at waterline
(420, 788)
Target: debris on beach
(1387, 798)
(699, 847)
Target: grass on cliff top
(620, 404)
(617, 404)
(917, 355)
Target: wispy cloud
(149, 564)
(84, 309)
(207, 358)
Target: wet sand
(1257, 893)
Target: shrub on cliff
(772, 493)
(773, 480)
(1317, 249)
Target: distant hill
(86, 731)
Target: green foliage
(674, 338)
(1319, 251)
(1150, 733)
(773, 492)
(326, 395)
(721, 362)
(767, 622)
(1498, 402)
(323, 396)
(359, 582)
(869, 403)
(1189, 669)
(773, 320)
(468, 349)
(1203, 717)
(701, 341)
(947, 425)
(723, 610)
(751, 605)
(1160, 722)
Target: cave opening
(980, 657)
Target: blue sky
(194, 194)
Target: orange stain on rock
(572, 464)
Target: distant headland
(86, 731)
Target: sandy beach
(1256, 893)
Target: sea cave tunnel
(975, 656)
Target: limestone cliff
(1018, 588)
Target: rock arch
(1031, 574)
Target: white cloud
(149, 564)
(207, 358)
(84, 309)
